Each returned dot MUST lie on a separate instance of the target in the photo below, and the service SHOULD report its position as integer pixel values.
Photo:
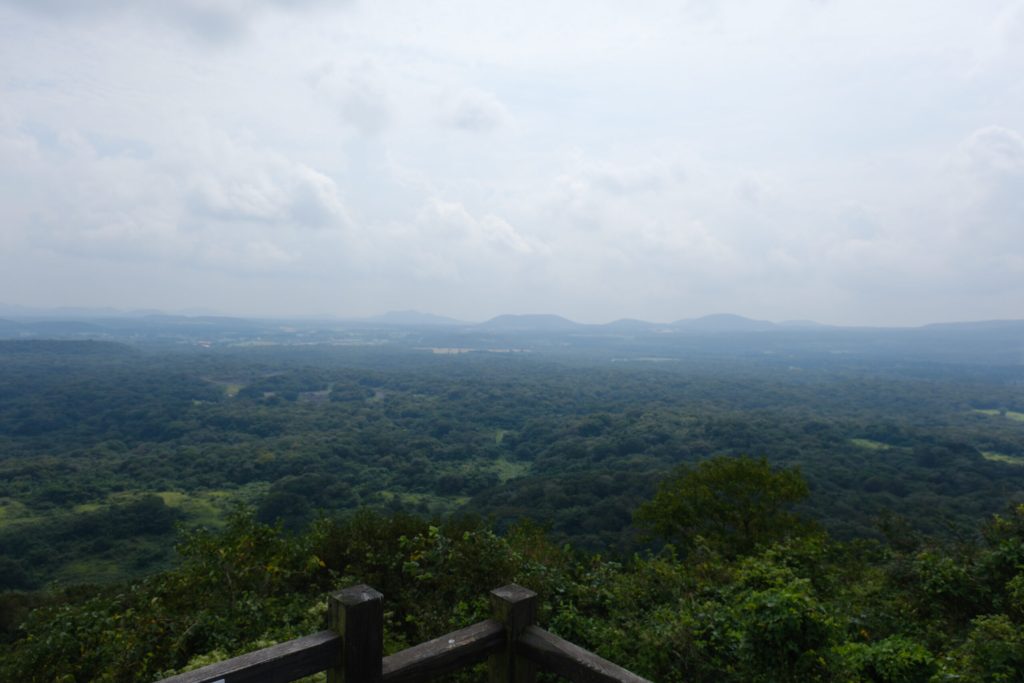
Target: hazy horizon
(101, 312)
(851, 163)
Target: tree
(734, 504)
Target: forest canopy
(752, 517)
(732, 504)
(89, 431)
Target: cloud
(628, 230)
(952, 243)
(619, 178)
(209, 200)
(475, 111)
(994, 152)
(272, 191)
(210, 20)
(785, 159)
(988, 173)
(451, 221)
(357, 93)
(1003, 42)
(445, 242)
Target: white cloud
(209, 20)
(229, 206)
(269, 190)
(474, 111)
(447, 243)
(994, 152)
(357, 93)
(780, 159)
(988, 198)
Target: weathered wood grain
(357, 615)
(447, 653)
(559, 656)
(516, 608)
(279, 663)
(352, 651)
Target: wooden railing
(351, 650)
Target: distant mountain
(724, 322)
(630, 325)
(981, 325)
(142, 312)
(83, 312)
(411, 318)
(802, 325)
(64, 327)
(530, 323)
(174, 319)
(189, 312)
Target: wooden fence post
(357, 615)
(516, 608)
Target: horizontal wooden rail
(447, 653)
(561, 657)
(350, 651)
(279, 663)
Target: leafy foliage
(804, 609)
(735, 504)
(367, 466)
(575, 444)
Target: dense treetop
(796, 518)
(91, 432)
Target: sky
(846, 161)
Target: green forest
(733, 517)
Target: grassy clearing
(120, 497)
(230, 387)
(93, 570)
(14, 512)
(429, 500)
(870, 445)
(201, 508)
(209, 508)
(505, 469)
(995, 412)
(501, 468)
(508, 469)
(205, 508)
(1002, 457)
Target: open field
(1002, 457)
(508, 469)
(870, 445)
(994, 412)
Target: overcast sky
(848, 161)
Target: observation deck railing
(351, 649)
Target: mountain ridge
(27, 317)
